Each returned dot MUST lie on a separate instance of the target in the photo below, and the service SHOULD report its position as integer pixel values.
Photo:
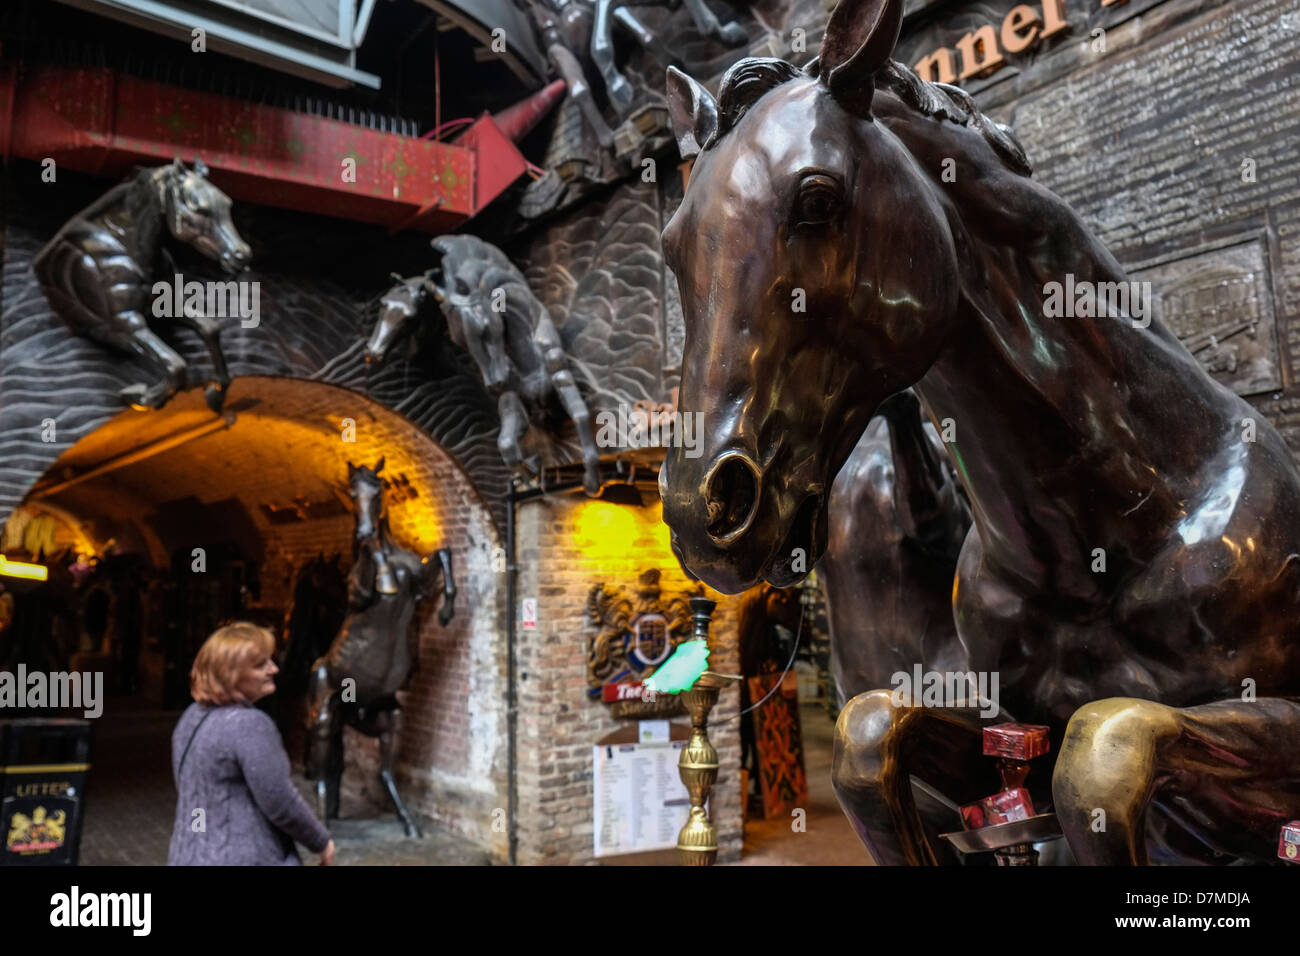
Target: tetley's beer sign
(963, 43)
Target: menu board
(640, 801)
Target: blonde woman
(236, 805)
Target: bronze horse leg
(1212, 783)
(324, 758)
(619, 89)
(562, 381)
(208, 330)
(514, 422)
(382, 720)
(880, 747)
(143, 341)
(571, 70)
(707, 22)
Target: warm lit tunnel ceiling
(283, 460)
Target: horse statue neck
(133, 210)
(1072, 433)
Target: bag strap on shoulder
(186, 752)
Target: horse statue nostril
(731, 494)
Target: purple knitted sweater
(237, 773)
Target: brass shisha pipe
(697, 843)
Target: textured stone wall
(320, 280)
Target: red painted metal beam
(97, 121)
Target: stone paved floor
(829, 839)
(131, 804)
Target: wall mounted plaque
(632, 637)
(1219, 302)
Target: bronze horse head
(197, 214)
(789, 253)
(367, 490)
(399, 309)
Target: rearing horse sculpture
(489, 310)
(97, 269)
(1133, 562)
(376, 650)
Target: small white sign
(530, 614)
(655, 732)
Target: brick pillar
(565, 544)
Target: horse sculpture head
(197, 214)
(399, 308)
(367, 491)
(816, 266)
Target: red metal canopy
(99, 121)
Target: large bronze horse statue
(97, 270)
(897, 520)
(376, 650)
(487, 308)
(1132, 571)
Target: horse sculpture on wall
(97, 270)
(375, 653)
(1133, 560)
(578, 31)
(486, 307)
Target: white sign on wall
(529, 614)
(640, 801)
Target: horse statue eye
(193, 199)
(819, 200)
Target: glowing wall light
(21, 569)
(609, 531)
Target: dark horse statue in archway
(97, 271)
(376, 651)
(1132, 571)
(486, 307)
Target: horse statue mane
(747, 80)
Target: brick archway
(271, 483)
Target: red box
(1000, 808)
(1288, 844)
(1021, 742)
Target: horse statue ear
(352, 471)
(380, 467)
(859, 40)
(694, 113)
(200, 167)
(395, 277)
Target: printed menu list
(640, 800)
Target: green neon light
(681, 670)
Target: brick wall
(1147, 142)
(565, 545)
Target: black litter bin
(43, 768)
